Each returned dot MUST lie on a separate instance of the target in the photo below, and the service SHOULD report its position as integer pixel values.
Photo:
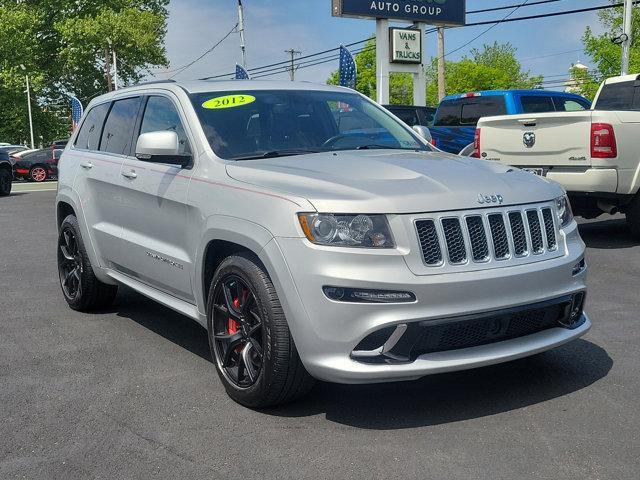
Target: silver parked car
(313, 235)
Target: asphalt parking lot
(131, 393)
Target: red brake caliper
(232, 325)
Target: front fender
(236, 230)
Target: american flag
(76, 112)
(348, 69)
(241, 73)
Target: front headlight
(563, 210)
(341, 230)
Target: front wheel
(250, 341)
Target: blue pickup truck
(455, 122)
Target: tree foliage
(61, 44)
(492, 67)
(606, 55)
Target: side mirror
(161, 147)
(424, 132)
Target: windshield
(244, 125)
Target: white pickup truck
(594, 154)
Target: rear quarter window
(537, 104)
(89, 135)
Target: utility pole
(24, 69)
(241, 31)
(442, 87)
(115, 69)
(107, 69)
(293, 53)
(626, 36)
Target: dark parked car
(37, 166)
(5, 174)
(59, 144)
(413, 116)
(11, 149)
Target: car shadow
(458, 396)
(432, 400)
(161, 320)
(607, 234)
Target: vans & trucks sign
(433, 12)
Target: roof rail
(151, 82)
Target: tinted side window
(570, 105)
(161, 114)
(617, 96)
(474, 108)
(118, 129)
(89, 135)
(537, 104)
(448, 114)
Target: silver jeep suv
(313, 235)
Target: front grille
(495, 236)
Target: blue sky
(275, 25)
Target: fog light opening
(358, 295)
(575, 318)
(579, 267)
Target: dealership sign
(433, 12)
(406, 45)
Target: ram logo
(529, 139)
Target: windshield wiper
(276, 154)
(375, 146)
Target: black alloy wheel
(5, 182)
(237, 331)
(70, 266)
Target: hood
(393, 181)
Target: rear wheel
(633, 216)
(80, 287)
(38, 173)
(251, 345)
(5, 182)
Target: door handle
(131, 174)
(87, 165)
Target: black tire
(281, 377)
(38, 174)
(5, 182)
(74, 268)
(633, 216)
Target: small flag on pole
(76, 112)
(348, 70)
(241, 73)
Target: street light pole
(626, 36)
(29, 106)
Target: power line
(495, 9)
(488, 29)
(180, 70)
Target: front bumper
(326, 332)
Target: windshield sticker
(228, 101)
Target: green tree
(492, 67)
(606, 55)
(63, 53)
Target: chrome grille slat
(518, 234)
(429, 243)
(499, 236)
(549, 229)
(478, 238)
(454, 239)
(511, 235)
(535, 229)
